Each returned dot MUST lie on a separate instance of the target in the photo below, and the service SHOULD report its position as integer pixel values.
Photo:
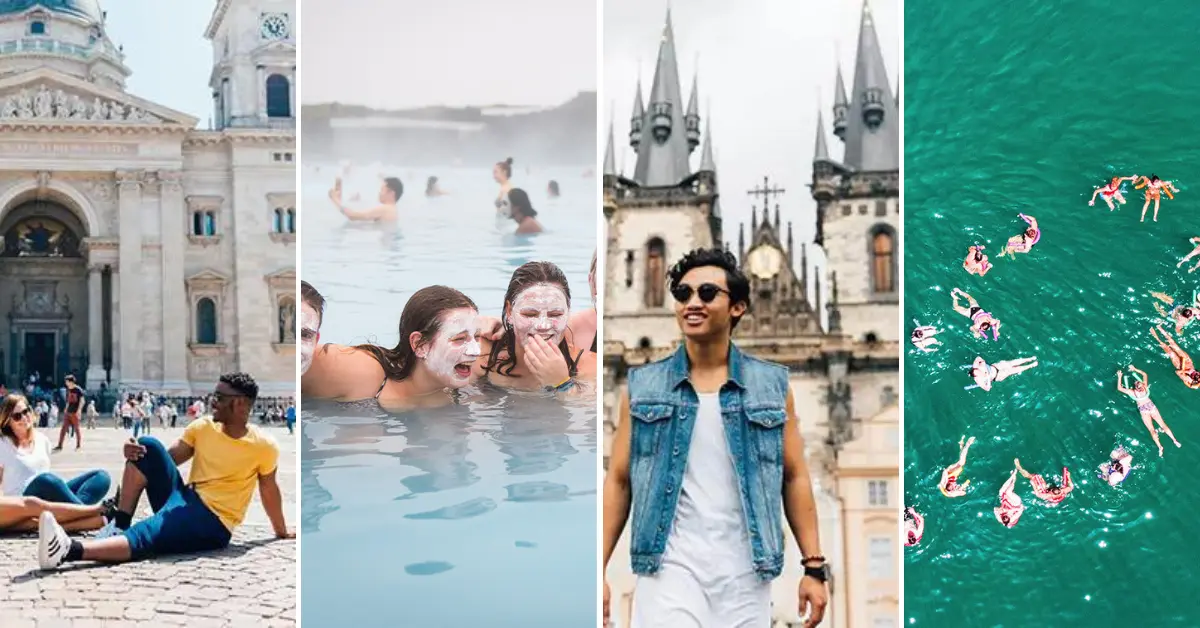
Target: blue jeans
(137, 427)
(87, 489)
(181, 523)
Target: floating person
(552, 189)
(1024, 241)
(534, 351)
(1140, 393)
(981, 321)
(502, 173)
(389, 194)
(977, 263)
(986, 374)
(1112, 191)
(1182, 362)
(923, 338)
(949, 485)
(1155, 188)
(1010, 508)
(432, 188)
(523, 213)
(914, 527)
(1052, 493)
(1194, 253)
(1183, 315)
(1118, 466)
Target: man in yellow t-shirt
(229, 457)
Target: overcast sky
(764, 67)
(166, 50)
(411, 53)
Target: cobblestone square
(250, 583)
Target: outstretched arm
(272, 500)
(1121, 383)
(1145, 377)
(1030, 219)
(1027, 475)
(1094, 193)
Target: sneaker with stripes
(53, 542)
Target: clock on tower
(274, 26)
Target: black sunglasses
(707, 292)
(17, 416)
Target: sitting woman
(441, 333)
(523, 212)
(537, 351)
(25, 459)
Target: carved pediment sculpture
(41, 103)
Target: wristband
(816, 557)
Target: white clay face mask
(540, 310)
(310, 326)
(455, 347)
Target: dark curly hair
(422, 313)
(503, 358)
(738, 284)
(243, 383)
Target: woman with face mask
(441, 333)
(537, 350)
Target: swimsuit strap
(381, 387)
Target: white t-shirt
(20, 467)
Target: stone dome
(86, 9)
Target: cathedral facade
(842, 349)
(139, 251)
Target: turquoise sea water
(1026, 106)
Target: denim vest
(662, 407)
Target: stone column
(174, 297)
(95, 369)
(261, 76)
(293, 106)
(129, 199)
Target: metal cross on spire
(766, 191)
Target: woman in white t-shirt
(25, 458)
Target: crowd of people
(1117, 467)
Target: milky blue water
(481, 514)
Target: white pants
(676, 598)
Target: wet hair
(1185, 312)
(8, 407)
(521, 205)
(912, 536)
(395, 186)
(313, 299)
(1194, 376)
(1137, 383)
(971, 371)
(1031, 232)
(554, 187)
(430, 184)
(738, 284)
(978, 255)
(422, 314)
(1054, 488)
(503, 358)
(1004, 518)
(985, 325)
(506, 167)
(907, 514)
(1153, 178)
(243, 383)
(918, 333)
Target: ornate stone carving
(41, 301)
(43, 179)
(129, 178)
(170, 179)
(100, 189)
(42, 103)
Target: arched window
(206, 322)
(291, 221)
(656, 272)
(279, 96)
(883, 260)
(198, 223)
(277, 221)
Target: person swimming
(1120, 463)
(552, 189)
(432, 188)
(502, 173)
(981, 321)
(949, 485)
(1112, 191)
(523, 213)
(389, 194)
(1023, 242)
(1183, 315)
(1010, 508)
(1140, 393)
(923, 338)
(1154, 191)
(1184, 367)
(986, 374)
(914, 527)
(1194, 253)
(977, 263)
(1051, 493)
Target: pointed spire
(873, 123)
(790, 247)
(817, 292)
(741, 241)
(804, 268)
(766, 215)
(610, 164)
(777, 223)
(835, 315)
(841, 106)
(821, 152)
(707, 163)
(637, 119)
(692, 119)
(753, 219)
(664, 162)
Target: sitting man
(228, 457)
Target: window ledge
(207, 350)
(204, 240)
(285, 238)
(284, 348)
(885, 297)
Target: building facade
(139, 251)
(844, 365)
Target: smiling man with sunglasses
(229, 458)
(707, 462)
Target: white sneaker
(110, 529)
(53, 542)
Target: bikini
(1110, 190)
(976, 313)
(1144, 403)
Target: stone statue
(116, 112)
(287, 323)
(79, 108)
(62, 106)
(9, 110)
(24, 104)
(98, 110)
(43, 103)
(135, 115)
